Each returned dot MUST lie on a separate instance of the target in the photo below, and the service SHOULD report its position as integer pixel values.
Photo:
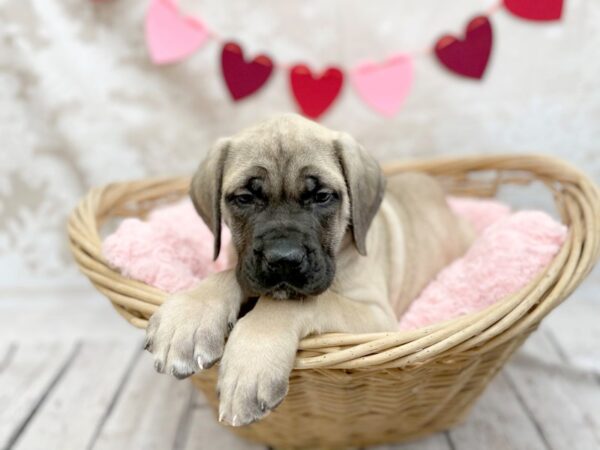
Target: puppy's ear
(365, 184)
(206, 189)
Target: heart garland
(539, 10)
(469, 56)
(315, 94)
(243, 78)
(384, 86)
(172, 36)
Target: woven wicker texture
(362, 389)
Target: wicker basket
(362, 389)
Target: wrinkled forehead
(283, 164)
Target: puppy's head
(289, 189)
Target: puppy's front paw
(188, 334)
(253, 374)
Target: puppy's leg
(260, 353)
(188, 331)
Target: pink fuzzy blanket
(172, 251)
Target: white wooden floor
(73, 376)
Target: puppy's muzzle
(285, 261)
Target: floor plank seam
(571, 373)
(538, 427)
(568, 369)
(120, 387)
(552, 339)
(18, 432)
(184, 422)
(563, 355)
(8, 356)
(449, 440)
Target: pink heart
(171, 36)
(384, 86)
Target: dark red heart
(541, 10)
(468, 57)
(243, 78)
(315, 94)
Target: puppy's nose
(284, 255)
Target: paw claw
(205, 365)
(181, 371)
(181, 376)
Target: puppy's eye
(323, 196)
(244, 199)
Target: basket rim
(577, 199)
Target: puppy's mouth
(285, 291)
(282, 290)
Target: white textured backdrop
(81, 105)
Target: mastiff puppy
(322, 242)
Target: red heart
(542, 10)
(315, 94)
(468, 57)
(243, 78)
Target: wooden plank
(148, 413)
(437, 441)
(29, 373)
(68, 418)
(547, 390)
(83, 315)
(581, 372)
(498, 421)
(205, 433)
(574, 325)
(583, 385)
